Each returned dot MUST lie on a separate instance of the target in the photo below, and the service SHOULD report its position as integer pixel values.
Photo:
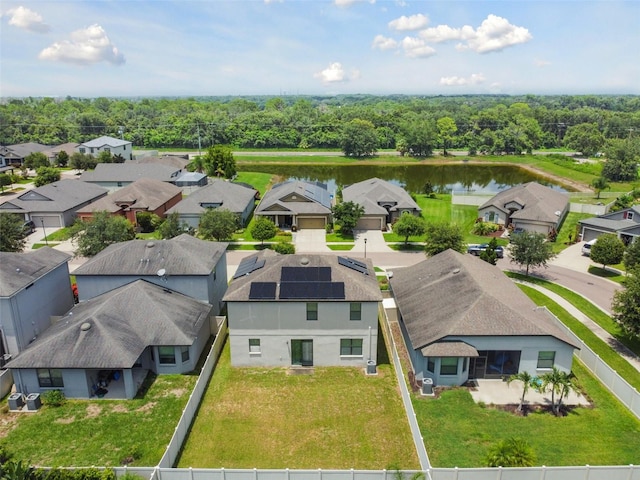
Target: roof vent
(304, 261)
(85, 326)
(150, 244)
(456, 270)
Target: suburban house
(296, 310)
(144, 195)
(14, 155)
(463, 319)
(179, 162)
(234, 197)
(54, 205)
(34, 288)
(297, 205)
(530, 206)
(105, 346)
(623, 223)
(114, 176)
(383, 203)
(184, 264)
(107, 144)
(52, 152)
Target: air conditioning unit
(33, 402)
(427, 386)
(16, 401)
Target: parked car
(28, 228)
(478, 249)
(586, 248)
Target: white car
(586, 248)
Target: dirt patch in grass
(146, 408)
(93, 410)
(65, 421)
(120, 409)
(176, 392)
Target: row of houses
(151, 306)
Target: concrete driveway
(311, 240)
(572, 258)
(374, 242)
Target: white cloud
(273, 1)
(348, 3)
(414, 22)
(444, 33)
(417, 48)
(384, 43)
(334, 73)
(26, 19)
(88, 46)
(495, 34)
(474, 79)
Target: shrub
(485, 228)
(54, 398)
(284, 248)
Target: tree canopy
(409, 225)
(626, 303)
(94, 235)
(608, 250)
(263, 229)
(443, 236)
(346, 215)
(217, 224)
(359, 138)
(12, 238)
(171, 226)
(530, 249)
(45, 175)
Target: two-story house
(115, 146)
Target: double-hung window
(355, 311)
(312, 311)
(351, 346)
(546, 359)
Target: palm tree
(197, 164)
(560, 383)
(527, 382)
(513, 452)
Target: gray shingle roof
(121, 324)
(18, 270)
(170, 160)
(145, 193)
(540, 203)
(231, 196)
(452, 294)
(315, 199)
(60, 196)
(25, 149)
(358, 287)
(606, 222)
(105, 141)
(130, 172)
(369, 192)
(182, 255)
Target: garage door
(52, 221)
(311, 222)
(369, 224)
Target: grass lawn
(458, 432)
(259, 181)
(100, 432)
(590, 310)
(333, 418)
(606, 273)
(567, 228)
(339, 247)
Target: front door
(302, 352)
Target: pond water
(444, 178)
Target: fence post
(587, 476)
(287, 472)
(544, 472)
(630, 472)
(222, 475)
(499, 473)
(457, 472)
(255, 473)
(353, 476)
(191, 473)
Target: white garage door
(51, 221)
(369, 224)
(311, 222)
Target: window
(355, 311)
(107, 149)
(312, 311)
(82, 150)
(167, 355)
(464, 364)
(448, 366)
(50, 377)
(546, 359)
(351, 346)
(254, 345)
(184, 353)
(431, 365)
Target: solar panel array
(305, 274)
(262, 291)
(247, 266)
(354, 264)
(312, 290)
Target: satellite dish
(162, 272)
(558, 212)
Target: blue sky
(315, 47)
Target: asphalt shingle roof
(369, 192)
(182, 255)
(105, 141)
(316, 199)
(540, 203)
(358, 286)
(60, 196)
(452, 294)
(18, 270)
(231, 196)
(112, 330)
(130, 172)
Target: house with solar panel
(296, 205)
(297, 310)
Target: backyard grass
(99, 432)
(589, 309)
(336, 417)
(568, 227)
(458, 432)
(259, 181)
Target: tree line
(357, 124)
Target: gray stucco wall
(28, 313)
(277, 323)
(76, 383)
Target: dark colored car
(28, 228)
(478, 249)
